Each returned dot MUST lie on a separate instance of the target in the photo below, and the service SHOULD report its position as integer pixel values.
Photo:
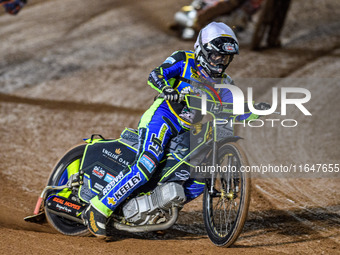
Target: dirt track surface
(72, 68)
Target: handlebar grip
(181, 95)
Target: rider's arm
(171, 67)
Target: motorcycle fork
(214, 159)
(214, 163)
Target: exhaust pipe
(149, 228)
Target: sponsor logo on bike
(98, 171)
(63, 208)
(58, 200)
(114, 181)
(71, 205)
(65, 205)
(98, 186)
(115, 157)
(110, 154)
(128, 186)
(108, 178)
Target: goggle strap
(205, 53)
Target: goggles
(215, 58)
(224, 45)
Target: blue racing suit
(156, 127)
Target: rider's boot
(102, 205)
(95, 221)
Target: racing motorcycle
(87, 169)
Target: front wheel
(225, 206)
(67, 165)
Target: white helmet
(215, 47)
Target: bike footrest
(39, 218)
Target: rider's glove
(262, 106)
(15, 6)
(170, 94)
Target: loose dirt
(72, 68)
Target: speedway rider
(215, 48)
(13, 6)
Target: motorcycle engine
(143, 209)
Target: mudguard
(230, 139)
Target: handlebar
(181, 96)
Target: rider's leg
(181, 173)
(193, 188)
(156, 127)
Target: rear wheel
(225, 209)
(59, 176)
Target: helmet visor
(215, 58)
(224, 45)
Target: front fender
(230, 139)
